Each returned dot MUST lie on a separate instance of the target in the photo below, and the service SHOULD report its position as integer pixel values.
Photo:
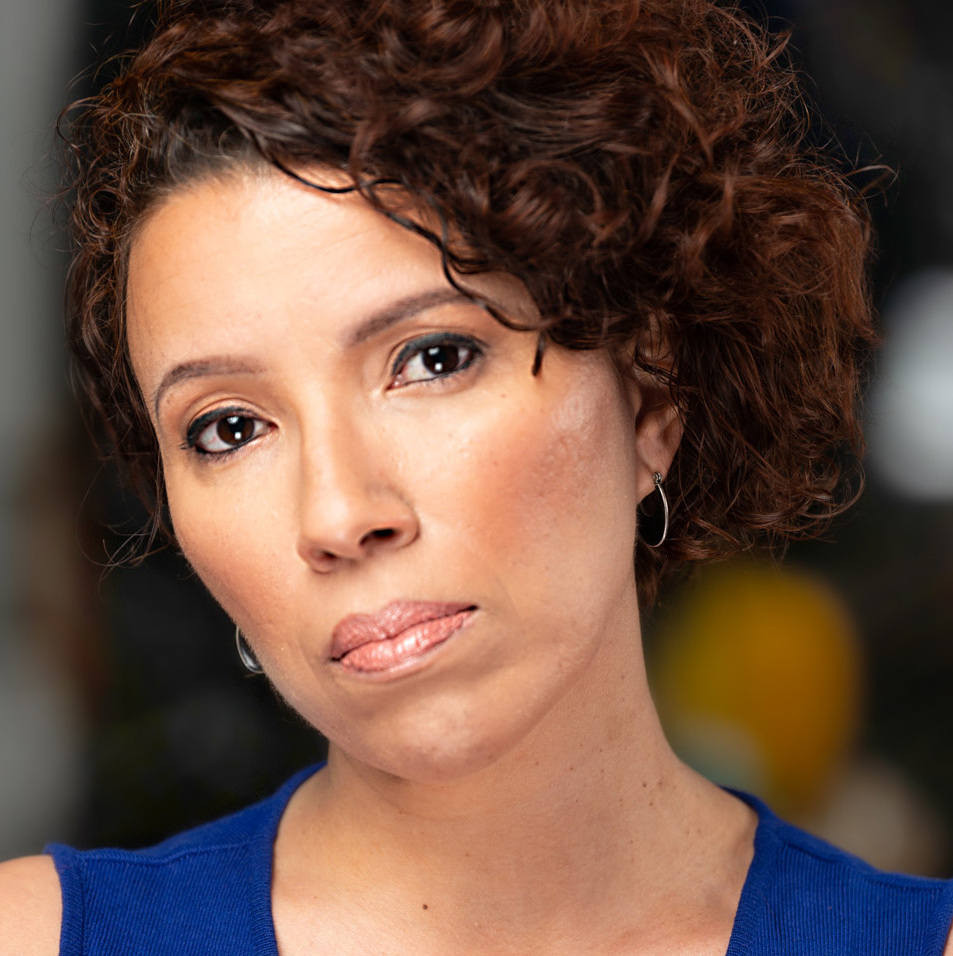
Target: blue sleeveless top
(207, 892)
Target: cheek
(230, 540)
(547, 491)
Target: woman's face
(426, 546)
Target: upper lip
(357, 629)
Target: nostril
(325, 542)
(378, 535)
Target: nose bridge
(351, 504)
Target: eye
(223, 431)
(433, 357)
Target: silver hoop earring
(246, 655)
(657, 515)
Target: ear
(658, 428)
(656, 419)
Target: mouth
(401, 633)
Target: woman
(398, 314)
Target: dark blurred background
(825, 685)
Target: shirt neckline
(754, 889)
(265, 940)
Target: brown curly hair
(643, 166)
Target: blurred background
(824, 686)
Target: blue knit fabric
(207, 893)
(803, 896)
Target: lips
(400, 633)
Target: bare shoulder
(30, 907)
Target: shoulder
(851, 902)
(30, 907)
(210, 883)
(199, 885)
(811, 897)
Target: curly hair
(643, 166)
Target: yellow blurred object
(757, 678)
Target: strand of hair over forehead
(367, 187)
(372, 11)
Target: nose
(351, 506)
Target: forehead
(258, 251)
(255, 224)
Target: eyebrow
(402, 309)
(375, 324)
(198, 369)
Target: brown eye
(436, 356)
(235, 430)
(441, 359)
(218, 433)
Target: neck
(591, 811)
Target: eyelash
(431, 343)
(417, 348)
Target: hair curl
(643, 166)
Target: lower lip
(397, 652)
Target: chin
(441, 747)
(442, 767)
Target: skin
(515, 777)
